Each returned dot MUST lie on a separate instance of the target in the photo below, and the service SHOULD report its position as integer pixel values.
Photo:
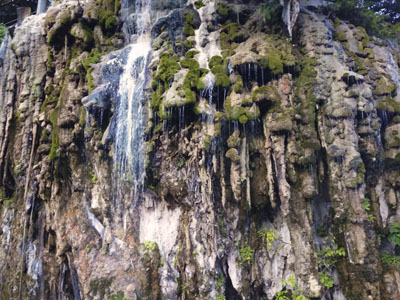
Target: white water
(211, 48)
(129, 140)
(391, 67)
(3, 46)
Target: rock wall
(271, 164)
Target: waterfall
(391, 68)
(129, 138)
(3, 47)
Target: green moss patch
(219, 69)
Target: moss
(190, 63)
(82, 119)
(54, 135)
(215, 61)
(252, 114)
(238, 87)
(191, 53)
(362, 36)
(218, 68)
(189, 17)
(107, 14)
(110, 23)
(117, 6)
(189, 44)
(269, 93)
(93, 58)
(58, 31)
(49, 63)
(167, 68)
(273, 62)
(340, 36)
(231, 34)
(52, 96)
(232, 112)
(389, 104)
(232, 154)
(304, 92)
(191, 82)
(384, 87)
(156, 97)
(200, 84)
(234, 32)
(198, 4)
(359, 64)
(223, 10)
(233, 141)
(188, 30)
(243, 119)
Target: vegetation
(327, 259)
(394, 234)
(271, 10)
(199, 4)
(379, 18)
(366, 205)
(391, 260)
(292, 292)
(246, 255)
(3, 31)
(150, 246)
(268, 236)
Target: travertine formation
(271, 164)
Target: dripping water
(129, 137)
(3, 48)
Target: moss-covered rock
(384, 87)
(232, 154)
(266, 93)
(219, 69)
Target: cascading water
(129, 140)
(3, 48)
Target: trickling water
(230, 69)
(129, 138)
(255, 73)
(3, 47)
(262, 77)
(391, 67)
(207, 15)
(249, 74)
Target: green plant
(366, 205)
(369, 15)
(219, 282)
(93, 178)
(327, 258)
(394, 234)
(119, 296)
(391, 260)
(295, 290)
(199, 4)
(325, 279)
(331, 255)
(246, 255)
(3, 31)
(180, 163)
(271, 10)
(150, 246)
(268, 236)
(220, 297)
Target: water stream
(129, 138)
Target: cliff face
(190, 150)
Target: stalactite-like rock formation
(191, 150)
